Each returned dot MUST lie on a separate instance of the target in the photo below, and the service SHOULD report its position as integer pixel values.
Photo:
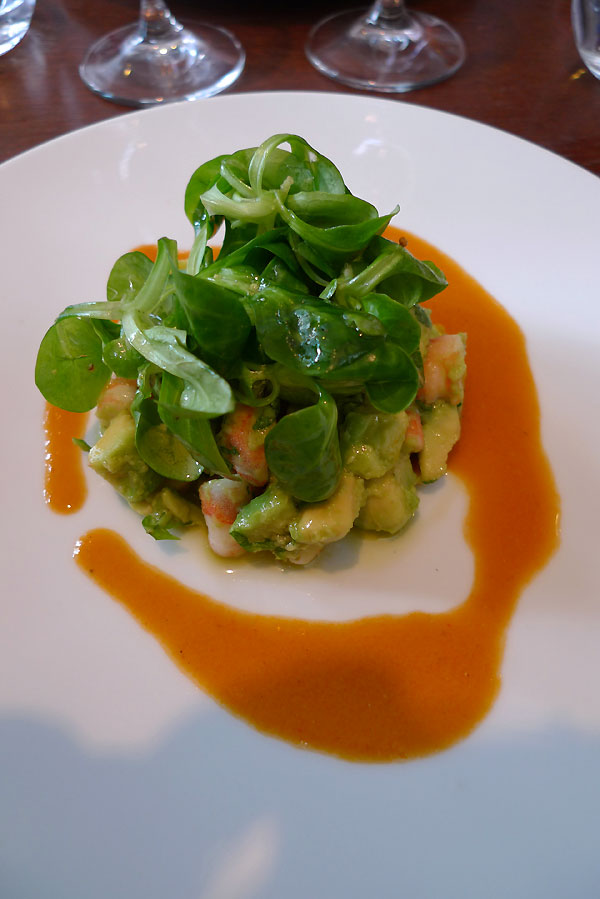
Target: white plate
(119, 778)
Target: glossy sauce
(386, 687)
(64, 482)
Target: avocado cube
(441, 430)
(371, 441)
(330, 520)
(115, 457)
(390, 501)
(180, 510)
(265, 520)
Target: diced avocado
(457, 370)
(371, 441)
(331, 519)
(166, 510)
(180, 509)
(390, 501)
(264, 522)
(115, 457)
(441, 430)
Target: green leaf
(324, 210)
(395, 272)
(69, 370)
(205, 392)
(149, 296)
(121, 358)
(396, 395)
(323, 340)
(159, 447)
(398, 321)
(279, 273)
(237, 255)
(82, 444)
(127, 277)
(337, 239)
(200, 255)
(307, 169)
(256, 386)
(303, 451)
(157, 524)
(195, 434)
(204, 178)
(215, 318)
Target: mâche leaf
(69, 370)
(159, 447)
(303, 450)
(215, 318)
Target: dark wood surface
(522, 73)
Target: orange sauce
(386, 687)
(64, 481)
(148, 249)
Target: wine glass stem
(389, 12)
(156, 20)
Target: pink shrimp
(116, 397)
(444, 370)
(413, 440)
(246, 443)
(221, 500)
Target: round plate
(118, 776)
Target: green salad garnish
(282, 374)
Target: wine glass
(157, 60)
(385, 48)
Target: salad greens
(307, 312)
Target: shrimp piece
(221, 500)
(243, 435)
(444, 370)
(116, 397)
(413, 440)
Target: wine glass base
(375, 55)
(127, 69)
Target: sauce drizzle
(65, 489)
(387, 687)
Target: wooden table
(522, 73)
